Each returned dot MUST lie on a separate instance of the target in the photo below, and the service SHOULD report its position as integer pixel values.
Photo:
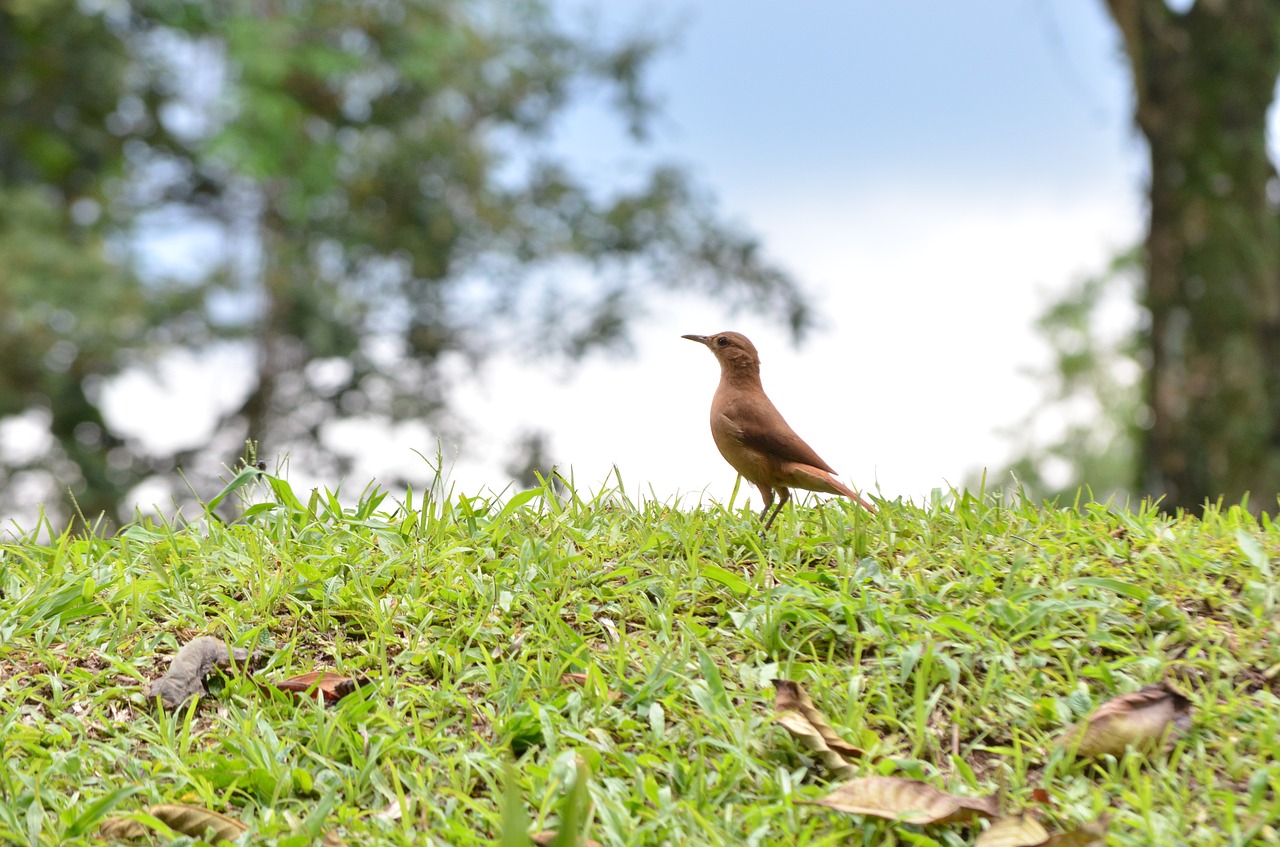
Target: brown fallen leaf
(1091, 834)
(797, 713)
(906, 800)
(189, 668)
(1140, 720)
(542, 839)
(332, 839)
(1018, 831)
(331, 686)
(1025, 831)
(188, 820)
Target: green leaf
(258, 509)
(728, 579)
(515, 821)
(715, 684)
(241, 479)
(516, 502)
(284, 493)
(1253, 552)
(951, 623)
(98, 809)
(1118, 586)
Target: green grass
(954, 641)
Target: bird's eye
(722, 341)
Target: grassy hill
(519, 647)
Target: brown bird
(752, 435)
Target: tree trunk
(1204, 80)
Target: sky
(932, 173)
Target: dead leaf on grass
(1140, 720)
(1025, 831)
(1091, 834)
(328, 685)
(188, 820)
(906, 800)
(796, 712)
(1018, 831)
(548, 837)
(189, 669)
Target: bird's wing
(761, 426)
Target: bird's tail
(855, 497)
(797, 475)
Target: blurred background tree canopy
(1204, 81)
(388, 214)
(382, 204)
(1186, 408)
(1086, 430)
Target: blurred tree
(1204, 79)
(388, 207)
(1087, 430)
(71, 107)
(530, 461)
(64, 314)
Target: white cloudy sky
(932, 172)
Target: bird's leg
(766, 494)
(784, 494)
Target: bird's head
(733, 350)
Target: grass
(953, 640)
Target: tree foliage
(1204, 81)
(383, 193)
(69, 314)
(1203, 422)
(1087, 429)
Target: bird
(753, 436)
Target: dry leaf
(610, 629)
(188, 820)
(548, 835)
(188, 669)
(1025, 831)
(1092, 834)
(906, 800)
(1018, 831)
(796, 712)
(510, 649)
(1140, 720)
(331, 686)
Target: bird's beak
(701, 339)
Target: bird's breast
(748, 461)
